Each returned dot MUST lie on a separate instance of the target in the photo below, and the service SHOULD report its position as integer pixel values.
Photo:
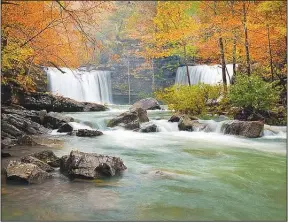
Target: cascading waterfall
(80, 85)
(203, 74)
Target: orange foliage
(56, 31)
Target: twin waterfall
(80, 85)
(203, 74)
(95, 86)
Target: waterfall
(203, 74)
(80, 85)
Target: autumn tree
(53, 33)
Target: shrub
(191, 100)
(253, 93)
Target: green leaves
(189, 99)
(252, 92)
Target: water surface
(171, 176)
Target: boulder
(65, 128)
(48, 157)
(128, 120)
(88, 133)
(37, 162)
(250, 129)
(21, 111)
(186, 124)
(26, 172)
(49, 102)
(141, 113)
(146, 104)
(55, 120)
(148, 127)
(17, 125)
(90, 165)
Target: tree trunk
(223, 64)
(186, 64)
(234, 56)
(129, 98)
(153, 77)
(270, 53)
(246, 40)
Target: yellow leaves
(26, 82)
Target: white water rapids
(86, 86)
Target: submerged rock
(26, 172)
(148, 127)
(48, 157)
(88, 133)
(90, 165)
(250, 129)
(146, 104)
(37, 162)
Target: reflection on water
(171, 176)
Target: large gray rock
(250, 129)
(26, 172)
(37, 162)
(55, 120)
(148, 127)
(147, 104)
(49, 102)
(141, 113)
(48, 157)
(125, 119)
(88, 133)
(90, 165)
(130, 120)
(17, 125)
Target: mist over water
(86, 86)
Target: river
(171, 176)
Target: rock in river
(90, 165)
(148, 127)
(88, 133)
(146, 104)
(130, 119)
(37, 162)
(26, 172)
(48, 157)
(250, 129)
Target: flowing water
(80, 85)
(172, 176)
(203, 74)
